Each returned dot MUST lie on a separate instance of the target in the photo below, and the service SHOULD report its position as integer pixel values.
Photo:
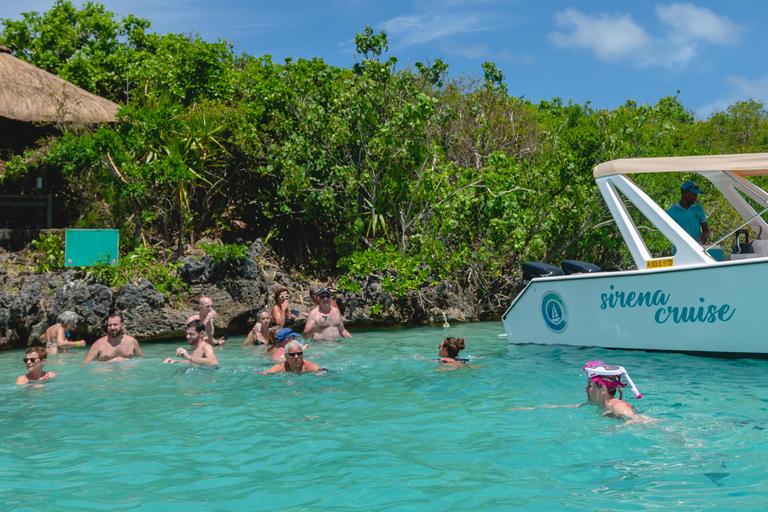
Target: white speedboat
(688, 302)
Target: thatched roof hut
(29, 94)
(34, 105)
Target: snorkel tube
(595, 370)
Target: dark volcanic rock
(192, 270)
(92, 303)
(146, 312)
(436, 304)
(30, 302)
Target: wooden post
(49, 211)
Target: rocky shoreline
(31, 301)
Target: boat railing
(738, 228)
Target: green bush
(228, 252)
(143, 262)
(51, 252)
(399, 273)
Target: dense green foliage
(406, 174)
(142, 262)
(147, 263)
(49, 255)
(221, 253)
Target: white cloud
(741, 89)
(480, 52)
(474, 51)
(440, 20)
(746, 88)
(508, 57)
(424, 28)
(700, 24)
(617, 38)
(611, 38)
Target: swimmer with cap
(602, 383)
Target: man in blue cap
(690, 214)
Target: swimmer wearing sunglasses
(34, 362)
(294, 361)
(282, 315)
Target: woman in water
(449, 349)
(56, 337)
(602, 383)
(272, 343)
(281, 314)
(260, 331)
(34, 362)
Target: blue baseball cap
(690, 185)
(285, 333)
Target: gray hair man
(294, 361)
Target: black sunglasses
(30, 360)
(294, 354)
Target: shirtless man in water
(294, 361)
(202, 351)
(115, 346)
(324, 322)
(207, 314)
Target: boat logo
(554, 311)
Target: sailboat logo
(554, 311)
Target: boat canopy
(726, 172)
(749, 164)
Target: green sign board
(90, 247)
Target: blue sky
(598, 51)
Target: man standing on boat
(689, 214)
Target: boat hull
(716, 308)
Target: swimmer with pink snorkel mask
(602, 383)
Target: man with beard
(115, 346)
(201, 351)
(207, 315)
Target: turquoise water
(384, 430)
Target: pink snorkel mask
(596, 370)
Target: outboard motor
(579, 267)
(532, 270)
